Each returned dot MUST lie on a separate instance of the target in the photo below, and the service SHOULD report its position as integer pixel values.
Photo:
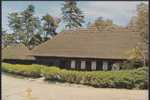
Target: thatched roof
(89, 43)
(16, 51)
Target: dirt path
(16, 89)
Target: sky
(118, 11)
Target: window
(93, 65)
(73, 63)
(83, 64)
(105, 65)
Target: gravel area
(14, 88)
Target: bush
(137, 78)
(24, 70)
(132, 64)
(114, 79)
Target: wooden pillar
(99, 65)
(88, 65)
(105, 65)
(93, 65)
(73, 64)
(83, 64)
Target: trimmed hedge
(24, 70)
(137, 78)
(111, 79)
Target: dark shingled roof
(89, 43)
(17, 51)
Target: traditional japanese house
(86, 49)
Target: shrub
(137, 78)
(24, 70)
(132, 64)
(115, 79)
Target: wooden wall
(18, 61)
(65, 62)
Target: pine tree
(7, 39)
(72, 15)
(25, 26)
(31, 24)
(15, 23)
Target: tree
(132, 23)
(134, 59)
(142, 21)
(7, 39)
(35, 40)
(30, 25)
(139, 23)
(25, 26)
(72, 15)
(134, 53)
(102, 24)
(50, 25)
(15, 23)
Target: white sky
(119, 11)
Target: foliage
(137, 78)
(30, 24)
(120, 79)
(140, 24)
(15, 22)
(134, 53)
(134, 59)
(102, 24)
(72, 15)
(24, 25)
(50, 25)
(132, 23)
(131, 64)
(7, 39)
(28, 29)
(142, 21)
(25, 70)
